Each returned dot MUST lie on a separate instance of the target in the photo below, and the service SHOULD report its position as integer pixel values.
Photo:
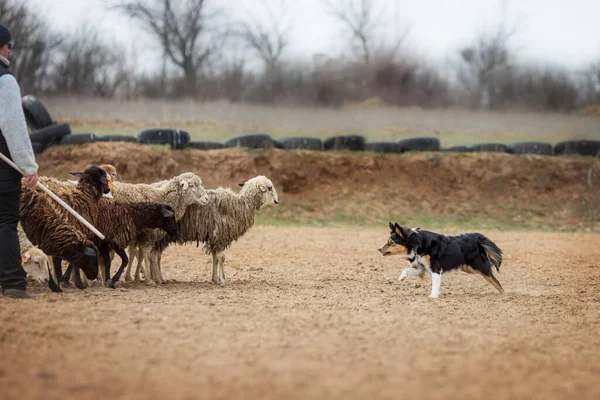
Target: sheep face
(98, 178)
(87, 260)
(191, 185)
(264, 186)
(35, 264)
(163, 217)
(112, 172)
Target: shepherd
(15, 145)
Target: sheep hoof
(150, 283)
(80, 287)
(110, 284)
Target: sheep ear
(262, 188)
(26, 257)
(77, 174)
(166, 212)
(241, 184)
(184, 184)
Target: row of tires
(46, 133)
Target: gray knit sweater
(14, 127)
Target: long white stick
(55, 197)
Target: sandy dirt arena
(317, 313)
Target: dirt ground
(318, 313)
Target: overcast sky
(566, 32)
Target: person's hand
(31, 180)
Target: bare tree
(185, 29)
(87, 65)
(590, 84)
(487, 63)
(363, 18)
(267, 38)
(34, 41)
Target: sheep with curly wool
(121, 223)
(35, 262)
(179, 192)
(59, 234)
(224, 219)
(57, 185)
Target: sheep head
(35, 264)
(112, 172)
(97, 178)
(264, 186)
(191, 189)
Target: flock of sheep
(142, 218)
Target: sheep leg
(215, 272)
(159, 268)
(105, 257)
(147, 266)
(124, 263)
(221, 257)
(55, 278)
(132, 255)
(154, 269)
(78, 284)
(65, 280)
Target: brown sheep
(59, 234)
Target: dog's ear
(399, 230)
(392, 228)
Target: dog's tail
(493, 252)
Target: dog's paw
(402, 277)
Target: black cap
(5, 36)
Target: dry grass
(219, 120)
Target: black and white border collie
(435, 254)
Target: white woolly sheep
(224, 219)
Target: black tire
(457, 149)
(51, 134)
(530, 148)
(419, 144)
(38, 148)
(79, 138)
(489, 147)
(176, 138)
(578, 147)
(352, 143)
(116, 138)
(206, 145)
(36, 115)
(301, 143)
(383, 147)
(253, 141)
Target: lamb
(121, 223)
(35, 262)
(179, 192)
(224, 219)
(56, 232)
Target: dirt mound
(493, 189)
